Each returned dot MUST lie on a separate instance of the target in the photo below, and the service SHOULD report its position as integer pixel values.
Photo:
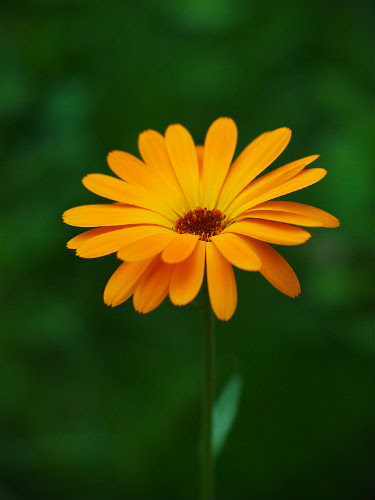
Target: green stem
(207, 472)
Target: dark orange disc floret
(201, 221)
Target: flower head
(188, 209)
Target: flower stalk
(208, 465)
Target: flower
(185, 209)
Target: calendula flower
(188, 209)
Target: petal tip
(85, 180)
(171, 127)
(225, 317)
(224, 119)
(67, 218)
(148, 131)
(139, 310)
(82, 255)
(177, 302)
(167, 259)
(284, 131)
(111, 302)
(110, 156)
(333, 223)
(293, 292)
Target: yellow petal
(255, 158)
(199, 150)
(184, 159)
(153, 287)
(289, 218)
(153, 149)
(290, 207)
(300, 181)
(108, 187)
(146, 247)
(276, 270)
(272, 232)
(107, 243)
(219, 147)
(87, 235)
(128, 167)
(236, 250)
(112, 215)
(187, 276)
(118, 190)
(134, 171)
(221, 283)
(123, 281)
(180, 248)
(269, 181)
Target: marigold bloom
(187, 208)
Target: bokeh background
(101, 404)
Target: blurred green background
(101, 404)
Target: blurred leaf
(225, 412)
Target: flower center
(205, 223)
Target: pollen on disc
(202, 222)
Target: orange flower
(185, 208)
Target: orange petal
(300, 181)
(134, 171)
(153, 149)
(146, 247)
(118, 190)
(128, 167)
(153, 287)
(187, 276)
(107, 243)
(289, 218)
(221, 283)
(255, 158)
(269, 181)
(199, 150)
(108, 187)
(219, 147)
(180, 248)
(182, 152)
(272, 232)
(290, 207)
(276, 270)
(123, 281)
(112, 215)
(236, 250)
(81, 238)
